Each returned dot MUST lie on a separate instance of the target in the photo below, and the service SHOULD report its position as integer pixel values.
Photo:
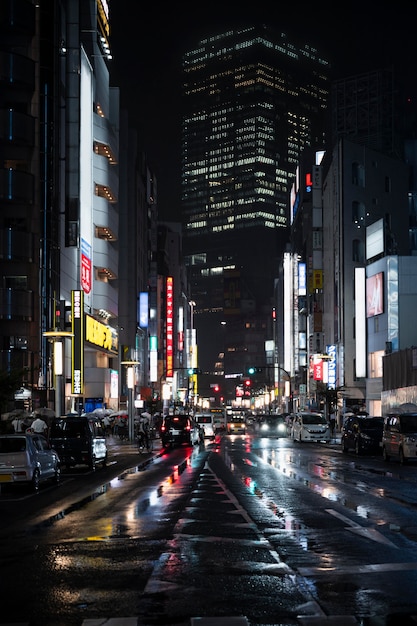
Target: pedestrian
(39, 426)
(332, 424)
(19, 425)
(144, 430)
(108, 425)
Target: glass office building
(252, 101)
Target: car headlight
(264, 427)
(281, 428)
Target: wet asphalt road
(224, 557)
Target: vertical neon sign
(169, 364)
(77, 361)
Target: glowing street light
(130, 374)
(57, 337)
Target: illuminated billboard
(169, 364)
(77, 361)
(375, 294)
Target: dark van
(79, 440)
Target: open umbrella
(120, 413)
(44, 411)
(17, 413)
(101, 412)
(407, 407)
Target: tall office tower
(364, 110)
(29, 140)
(252, 101)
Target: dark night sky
(147, 43)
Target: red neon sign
(169, 363)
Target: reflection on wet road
(340, 480)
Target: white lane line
(368, 533)
(377, 568)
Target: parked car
(206, 422)
(179, 429)
(310, 426)
(236, 425)
(272, 425)
(79, 440)
(399, 438)
(28, 459)
(363, 434)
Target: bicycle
(144, 442)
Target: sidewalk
(117, 446)
(337, 438)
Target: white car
(310, 426)
(205, 421)
(28, 460)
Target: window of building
(358, 174)
(358, 251)
(375, 364)
(358, 213)
(105, 274)
(15, 282)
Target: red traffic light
(216, 388)
(247, 383)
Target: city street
(269, 530)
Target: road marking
(377, 568)
(368, 533)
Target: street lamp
(57, 337)
(130, 375)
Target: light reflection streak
(285, 462)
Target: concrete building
(64, 212)
(253, 100)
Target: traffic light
(216, 388)
(254, 370)
(60, 315)
(193, 370)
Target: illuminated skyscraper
(253, 100)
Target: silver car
(28, 459)
(399, 439)
(310, 426)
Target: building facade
(253, 100)
(61, 211)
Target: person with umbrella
(19, 424)
(143, 434)
(39, 426)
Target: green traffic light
(251, 370)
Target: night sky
(148, 40)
